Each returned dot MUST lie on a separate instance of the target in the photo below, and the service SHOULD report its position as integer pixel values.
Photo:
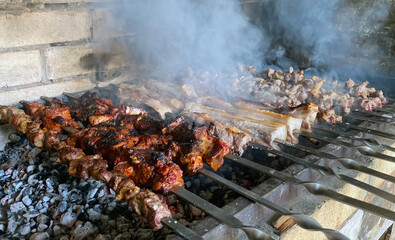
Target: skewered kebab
(293, 89)
(148, 204)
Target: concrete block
(49, 90)
(66, 61)
(107, 24)
(18, 68)
(34, 28)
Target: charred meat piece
(53, 117)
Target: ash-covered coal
(40, 200)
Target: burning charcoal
(194, 210)
(68, 219)
(26, 200)
(75, 196)
(14, 137)
(63, 190)
(62, 206)
(180, 209)
(91, 194)
(24, 229)
(41, 227)
(18, 206)
(144, 234)
(32, 214)
(42, 219)
(57, 230)
(32, 179)
(39, 236)
(12, 224)
(83, 231)
(103, 237)
(93, 215)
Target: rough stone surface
(19, 68)
(33, 28)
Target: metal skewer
(367, 130)
(327, 171)
(314, 188)
(370, 142)
(346, 162)
(70, 95)
(369, 119)
(219, 214)
(180, 229)
(374, 113)
(302, 220)
(384, 110)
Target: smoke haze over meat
(172, 35)
(334, 38)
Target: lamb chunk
(350, 83)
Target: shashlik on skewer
(277, 89)
(150, 205)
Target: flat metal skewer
(70, 95)
(385, 110)
(369, 119)
(374, 113)
(370, 142)
(367, 130)
(327, 171)
(314, 188)
(219, 214)
(346, 162)
(180, 229)
(302, 220)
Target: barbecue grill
(304, 186)
(332, 178)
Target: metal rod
(385, 110)
(326, 139)
(370, 142)
(70, 95)
(47, 99)
(326, 170)
(367, 130)
(369, 119)
(374, 113)
(314, 188)
(218, 213)
(180, 229)
(302, 220)
(346, 162)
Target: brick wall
(52, 46)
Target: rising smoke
(333, 37)
(172, 35)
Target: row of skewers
(134, 152)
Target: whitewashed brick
(107, 24)
(49, 90)
(65, 61)
(18, 68)
(34, 28)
